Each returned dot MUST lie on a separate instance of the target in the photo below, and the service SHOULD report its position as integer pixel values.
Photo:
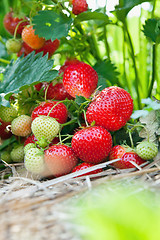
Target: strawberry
(25, 49)
(13, 45)
(92, 144)
(80, 79)
(32, 40)
(34, 161)
(7, 114)
(44, 127)
(117, 152)
(4, 132)
(10, 23)
(60, 159)
(30, 139)
(59, 112)
(79, 6)
(29, 146)
(111, 108)
(17, 153)
(68, 62)
(57, 92)
(146, 150)
(85, 165)
(125, 161)
(49, 47)
(21, 126)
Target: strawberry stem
(4, 61)
(15, 32)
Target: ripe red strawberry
(59, 112)
(117, 152)
(21, 126)
(57, 92)
(60, 159)
(4, 133)
(32, 40)
(80, 79)
(10, 22)
(85, 165)
(49, 47)
(111, 108)
(125, 161)
(92, 144)
(68, 62)
(79, 6)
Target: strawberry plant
(79, 83)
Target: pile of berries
(47, 151)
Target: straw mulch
(35, 208)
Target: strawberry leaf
(85, 16)
(106, 72)
(51, 25)
(151, 29)
(25, 72)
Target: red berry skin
(10, 22)
(49, 47)
(111, 108)
(117, 152)
(83, 166)
(79, 6)
(4, 133)
(68, 62)
(125, 163)
(80, 79)
(92, 144)
(57, 92)
(60, 159)
(25, 49)
(59, 112)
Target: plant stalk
(153, 70)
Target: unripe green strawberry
(45, 127)
(17, 154)
(7, 114)
(13, 45)
(29, 146)
(146, 150)
(34, 161)
(21, 126)
(5, 156)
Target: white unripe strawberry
(45, 127)
(17, 153)
(34, 161)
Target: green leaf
(124, 6)
(25, 72)
(107, 71)
(151, 29)
(80, 99)
(51, 25)
(85, 16)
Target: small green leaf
(80, 99)
(151, 29)
(85, 16)
(25, 72)
(51, 25)
(107, 71)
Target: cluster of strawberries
(45, 151)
